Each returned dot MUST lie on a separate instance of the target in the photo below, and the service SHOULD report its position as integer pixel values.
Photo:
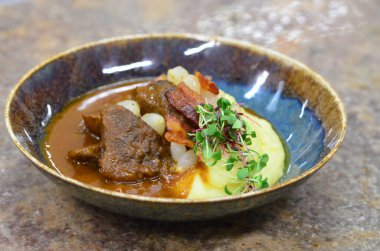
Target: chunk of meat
(132, 150)
(151, 97)
(177, 131)
(185, 100)
(93, 122)
(206, 83)
(90, 153)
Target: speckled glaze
(47, 88)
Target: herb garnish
(223, 131)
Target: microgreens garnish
(223, 131)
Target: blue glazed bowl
(301, 105)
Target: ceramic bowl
(301, 105)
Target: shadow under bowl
(300, 104)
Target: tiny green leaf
(223, 103)
(242, 173)
(264, 183)
(211, 163)
(237, 124)
(232, 135)
(199, 137)
(210, 117)
(248, 141)
(251, 165)
(234, 158)
(244, 124)
(210, 130)
(208, 107)
(230, 164)
(256, 167)
(226, 190)
(229, 118)
(219, 135)
(263, 160)
(261, 183)
(217, 155)
(228, 112)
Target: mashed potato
(212, 183)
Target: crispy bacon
(206, 83)
(177, 131)
(184, 100)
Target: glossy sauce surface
(65, 132)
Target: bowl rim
(279, 57)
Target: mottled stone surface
(337, 209)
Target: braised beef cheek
(90, 153)
(132, 150)
(151, 98)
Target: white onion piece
(187, 160)
(177, 150)
(192, 82)
(156, 121)
(131, 105)
(177, 74)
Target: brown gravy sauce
(64, 133)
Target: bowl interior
(302, 107)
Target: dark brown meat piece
(151, 98)
(185, 100)
(90, 153)
(132, 150)
(93, 121)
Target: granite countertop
(337, 209)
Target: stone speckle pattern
(337, 209)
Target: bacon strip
(177, 131)
(185, 100)
(206, 83)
